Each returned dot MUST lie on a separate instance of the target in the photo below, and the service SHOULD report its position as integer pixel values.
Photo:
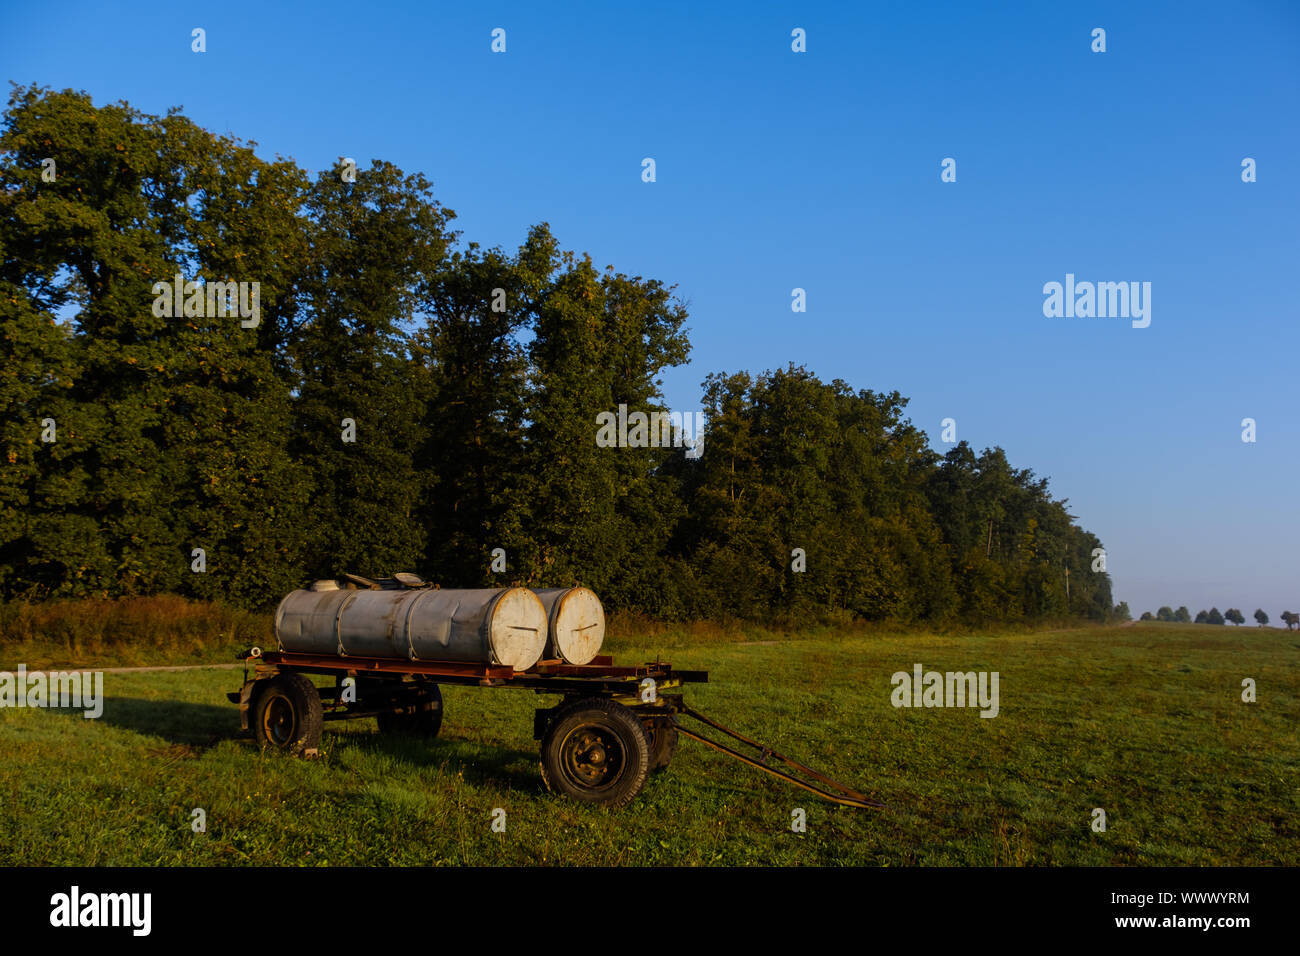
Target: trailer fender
(542, 718)
(246, 702)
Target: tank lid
(406, 579)
(326, 585)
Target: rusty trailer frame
(590, 742)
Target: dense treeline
(394, 397)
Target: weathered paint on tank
(575, 624)
(504, 626)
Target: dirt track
(128, 670)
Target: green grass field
(1145, 722)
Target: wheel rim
(277, 721)
(592, 757)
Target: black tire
(596, 751)
(287, 715)
(663, 744)
(425, 720)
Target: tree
(1261, 617)
(1215, 617)
(600, 511)
(1182, 615)
(171, 426)
(1147, 616)
(1166, 613)
(1011, 544)
(1122, 612)
(474, 440)
(361, 396)
(1291, 619)
(42, 362)
(1234, 615)
(1202, 617)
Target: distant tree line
(394, 398)
(1232, 615)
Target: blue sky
(821, 170)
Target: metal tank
(499, 626)
(575, 624)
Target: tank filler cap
(328, 584)
(408, 580)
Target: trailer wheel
(596, 751)
(663, 744)
(287, 715)
(424, 721)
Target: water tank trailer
(388, 644)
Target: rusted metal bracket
(844, 796)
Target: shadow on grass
(479, 764)
(197, 727)
(176, 721)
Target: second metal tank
(575, 624)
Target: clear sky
(821, 170)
